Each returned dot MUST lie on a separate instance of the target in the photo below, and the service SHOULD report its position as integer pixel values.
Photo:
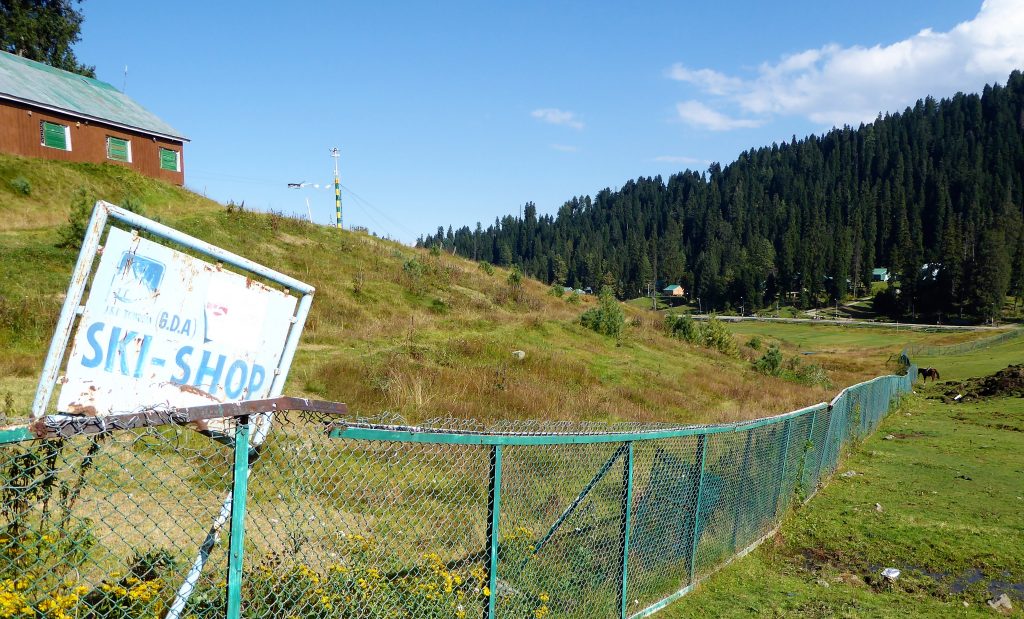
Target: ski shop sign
(161, 327)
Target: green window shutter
(117, 149)
(168, 159)
(54, 135)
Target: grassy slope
(379, 338)
(951, 484)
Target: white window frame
(128, 148)
(67, 135)
(177, 159)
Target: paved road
(846, 322)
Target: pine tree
(43, 30)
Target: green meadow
(937, 492)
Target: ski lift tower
(337, 187)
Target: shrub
(812, 374)
(556, 291)
(716, 336)
(573, 298)
(21, 185)
(415, 274)
(607, 318)
(71, 234)
(771, 362)
(683, 327)
(755, 342)
(515, 284)
(486, 267)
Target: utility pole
(337, 188)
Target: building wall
(19, 134)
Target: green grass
(981, 362)
(380, 339)
(812, 337)
(951, 487)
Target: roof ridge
(38, 83)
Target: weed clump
(711, 334)
(21, 185)
(772, 363)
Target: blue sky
(462, 111)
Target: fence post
(787, 430)
(810, 439)
(694, 538)
(826, 444)
(627, 507)
(743, 479)
(493, 516)
(239, 490)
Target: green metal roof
(879, 271)
(672, 287)
(45, 86)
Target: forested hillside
(941, 184)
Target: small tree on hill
(607, 318)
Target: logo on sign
(140, 278)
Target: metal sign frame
(104, 213)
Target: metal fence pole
(239, 490)
(694, 538)
(493, 516)
(627, 507)
(808, 446)
(824, 446)
(743, 479)
(787, 425)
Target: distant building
(54, 114)
(880, 274)
(675, 290)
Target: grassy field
(981, 362)
(950, 483)
(395, 328)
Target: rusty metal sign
(163, 328)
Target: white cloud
(707, 80)
(836, 85)
(699, 115)
(681, 160)
(556, 116)
(565, 148)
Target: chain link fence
(922, 350)
(330, 516)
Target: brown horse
(928, 373)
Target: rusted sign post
(164, 328)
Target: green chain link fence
(141, 516)
(922, 350)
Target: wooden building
(54, 114)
